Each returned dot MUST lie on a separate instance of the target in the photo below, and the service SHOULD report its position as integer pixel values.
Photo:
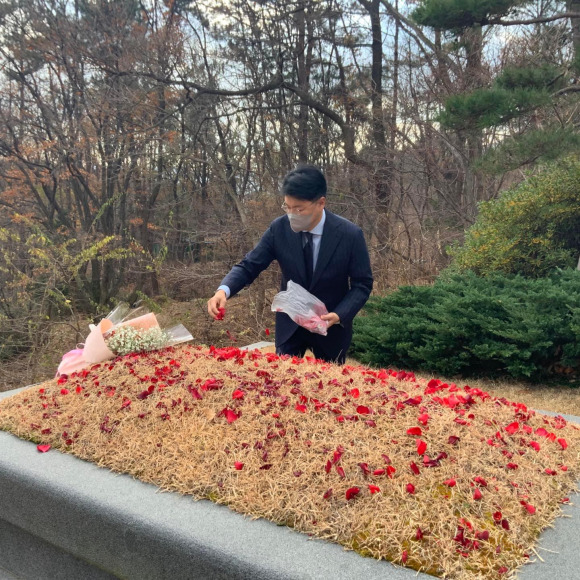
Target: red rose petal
(563, 443)
(231, 416)
(362, 410)
(414, 468)
(374, 489)
(512, 427)
(414, 431)
(300, 408)
(238, 394)
(423, 418)
(477, 495)
(238, 465)
(352, 492)
(327, 493)
(355, 393)
(340, 471)
(365, 468)
(390, 471)
(410, 488)
(421, 446)
(43, 448)
(450, 482)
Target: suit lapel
(328, 244)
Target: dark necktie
(308, 257)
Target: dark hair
(305, 182)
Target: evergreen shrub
(475, 326)
(531, 230)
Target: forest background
(142, 144)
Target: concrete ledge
(64, 518)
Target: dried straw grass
(296, 425)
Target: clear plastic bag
(302, 307)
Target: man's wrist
(225, 289)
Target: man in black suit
(321, 251)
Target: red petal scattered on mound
(327, 493)
(300, 408)
(267, 331)
(340, 471)
(390, 471)
(362, 410)
(477, 495)
(512, 427)
(365, 468)
(221, 313)
(453, 439)
(352, 492)
(423, 418)
(410, 488)
(480, 480)
(238, 465)
(230, 415)
(535, 445)
(43, 448)
(237, 394)
(328, 466)
(414, 431)
(421, 446)
(563, 443)
(374, 489)
(379, 472)
(450, 482)
(355, 393)
(404, 556)
(414, 468)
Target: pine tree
(525, 101)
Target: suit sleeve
(254, 262)
(361, 281)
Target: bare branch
(538, 20)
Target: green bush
(472, 326)
(530, 230)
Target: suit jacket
(342, 279)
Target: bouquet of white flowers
(120, 333)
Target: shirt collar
(317, 231)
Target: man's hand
(217, 301)
(331, 318)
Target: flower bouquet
(121, 332)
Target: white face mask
(299, 222)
